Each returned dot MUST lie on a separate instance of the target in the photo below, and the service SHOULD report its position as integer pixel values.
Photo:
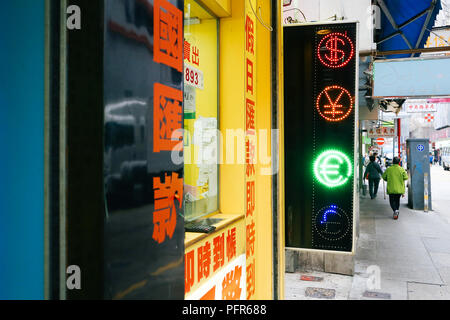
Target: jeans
(394, 201)
(373, 187)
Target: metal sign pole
(425, 192)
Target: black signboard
(143, 119)
(320, 83)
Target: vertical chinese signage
(144, 230)
(250, 145)
(320, 73)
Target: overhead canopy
(407, 78)
(406, 24)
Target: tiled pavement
(411, 255)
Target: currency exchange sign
(320, 102)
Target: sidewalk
(411, 254)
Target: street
(407, 259)
(440, 189)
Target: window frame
(217, 210)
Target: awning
(406, 24)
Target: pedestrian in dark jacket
(373, 174)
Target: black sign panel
(143, 96)
(320, 83)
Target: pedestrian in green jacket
(395, 177)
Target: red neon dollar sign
(336, 54)
(335, 50)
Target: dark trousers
(373, 187)
(394, 201)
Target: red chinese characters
(167, 118)
(196, 56)
(250, 198)
(218, 252)
(250, 240)
(191, 53)
(249, 35)
(251, 278)
(231, 284)
(250, 148)
(249, 115)
(168, 34)
(167, 121)
(231, 244)
(165, 215)
(210, 295)
(249, 71)
(187, 51)
(203, 263)
(204, 260)
(189, 276)
(249, 158)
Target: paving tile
(440, 259)
(404, 256)
(437, 245)
(365, 254)
(410, 273)
(367, 241)
(413, 253)
(367, 226)
(377, 295)
(420, 291)
(396, 289)
(444, 272)
(295, 289)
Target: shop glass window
(200, 111)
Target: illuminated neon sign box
(320, 68)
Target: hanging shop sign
(418, 106)
(321, 61)
(412, 77)
(382, 131)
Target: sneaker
(396, 213)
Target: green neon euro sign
(333, 168)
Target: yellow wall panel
(232, 115)
(231, 106)
(264, 243)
